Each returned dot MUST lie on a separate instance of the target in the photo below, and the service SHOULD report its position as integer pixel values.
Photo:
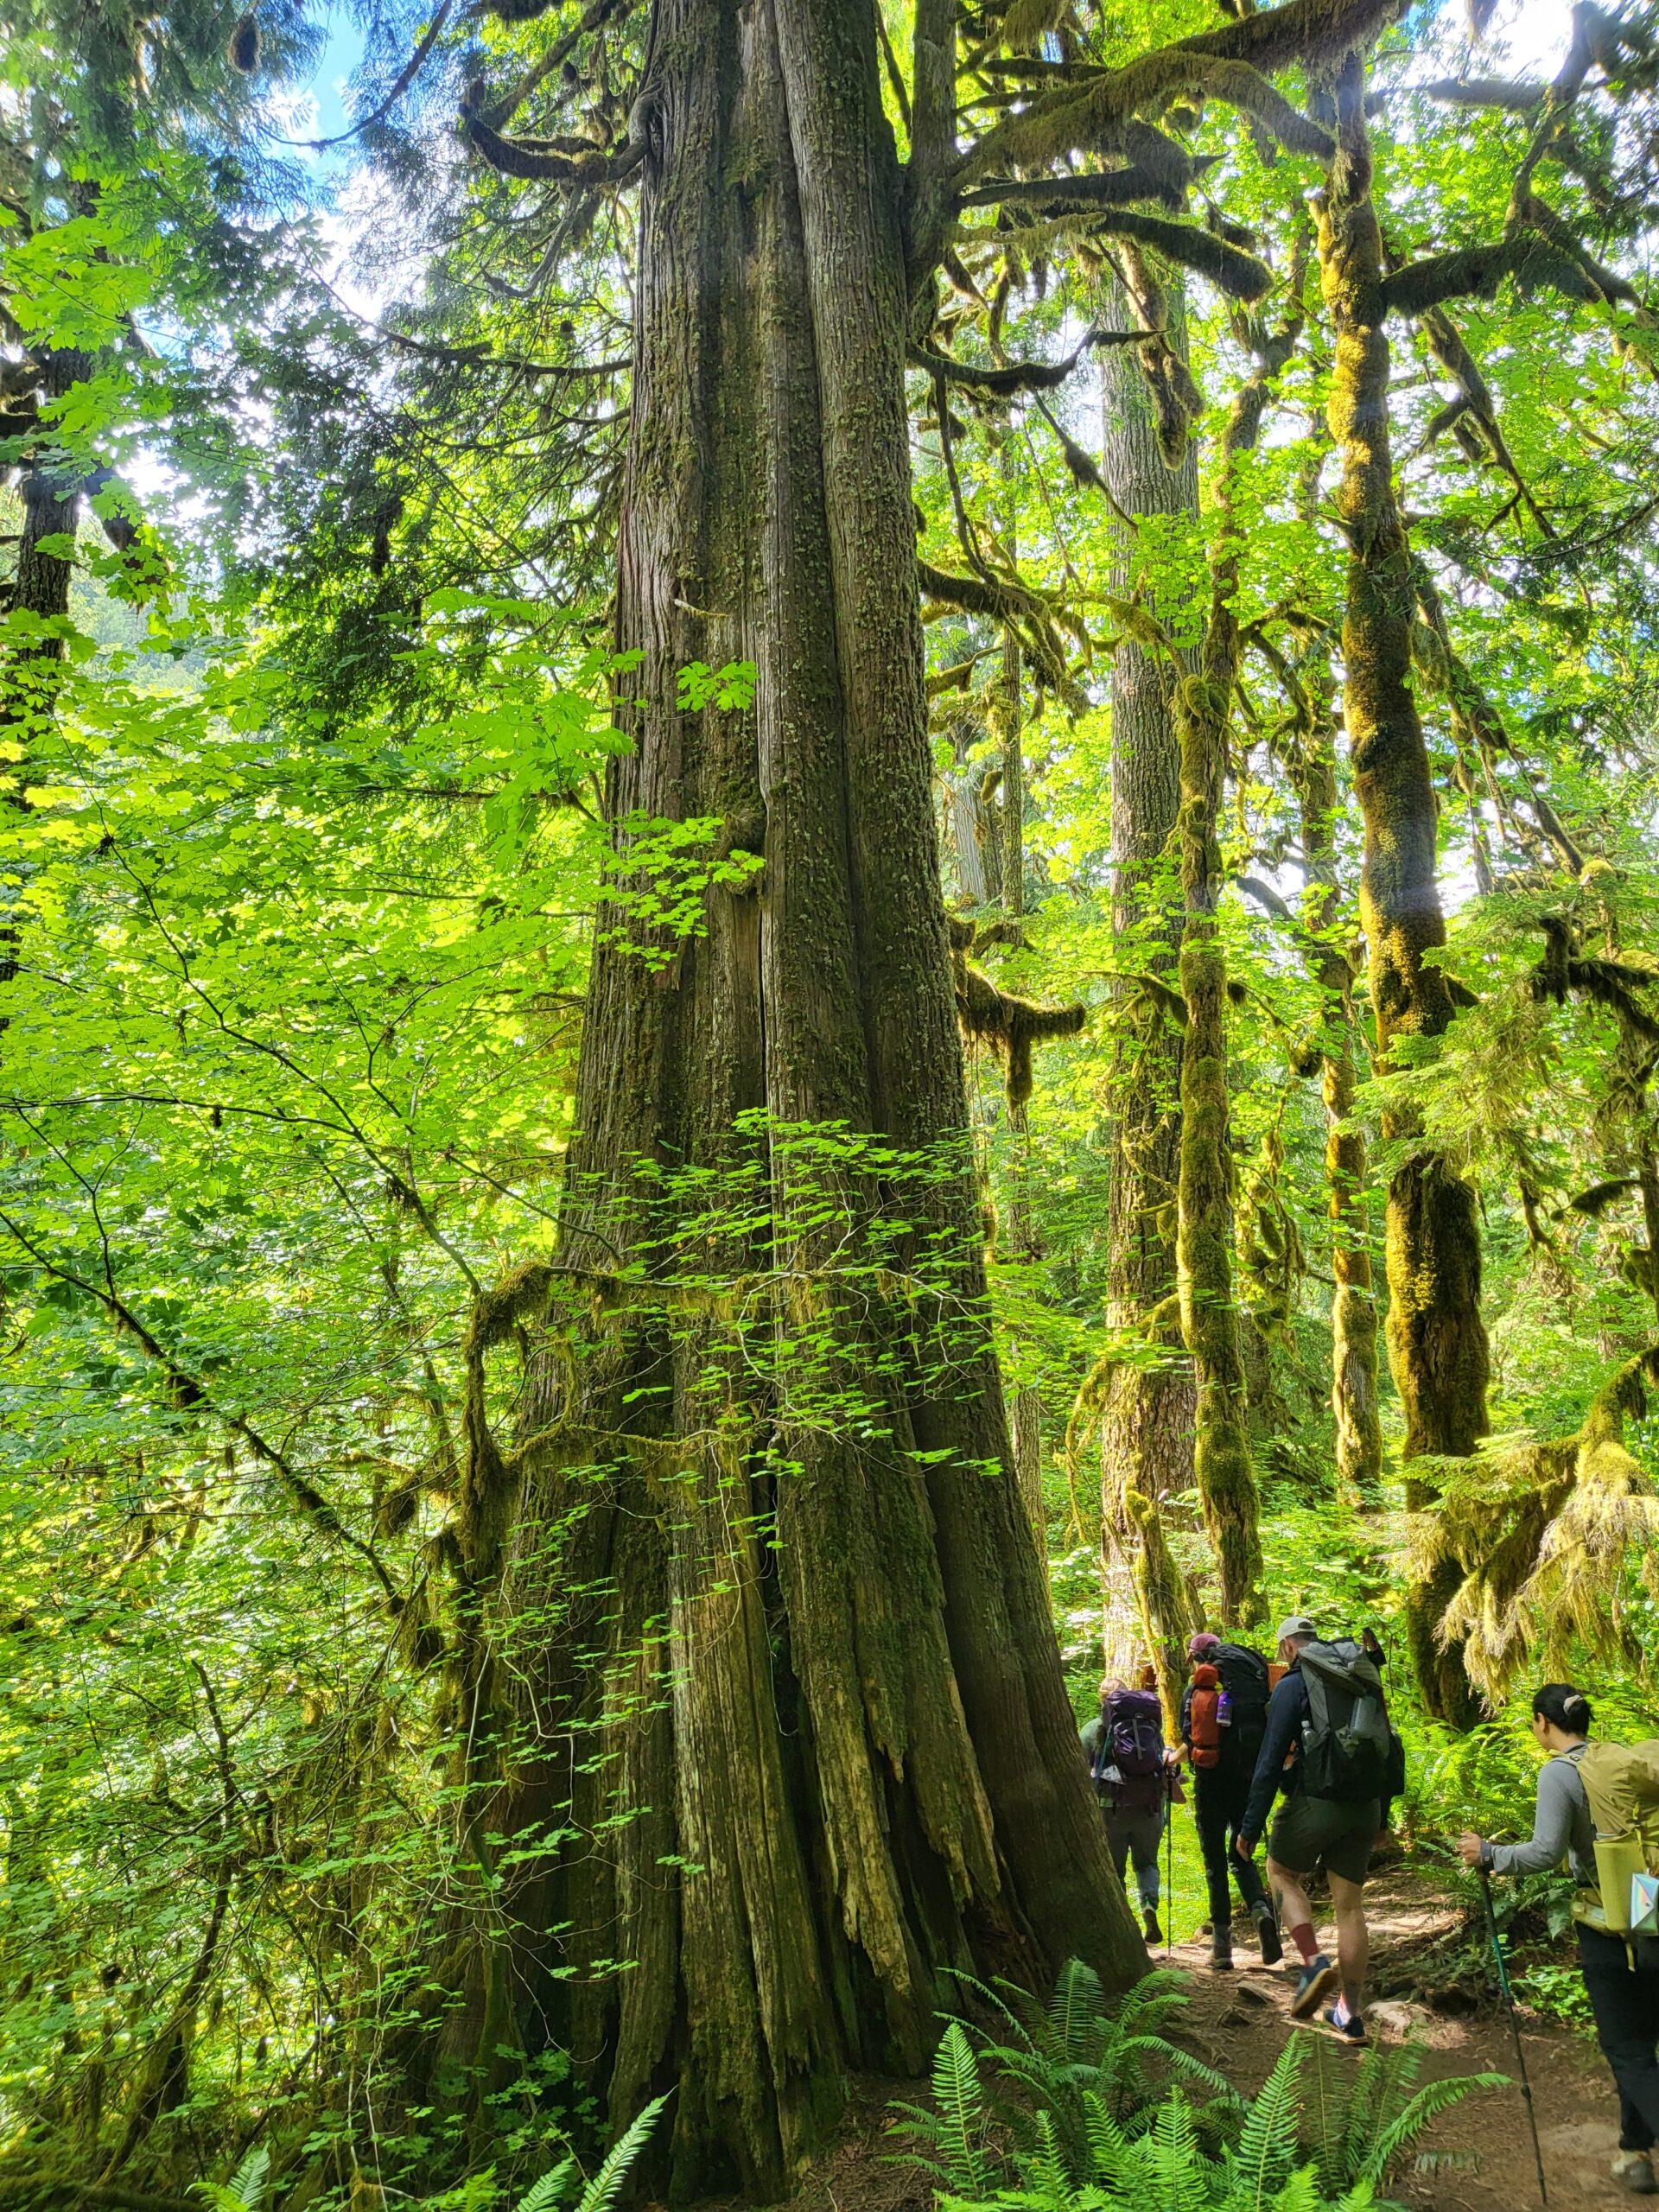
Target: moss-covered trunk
(1210, 1317)
(802, 1724)
(30, 668)
(1147, 1413)
(1353, 1306)
(1437, 1342)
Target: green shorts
(1309, 1832)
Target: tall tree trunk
(1437, 1342)
(31, 668)
(1353, 1306)
(1204, 1275)
(1146, 1416)
(808, 1727)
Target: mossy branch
(1010, 1025)
(1513, 95)
(1476, 273)
(536, 160)
(1233, 271)
(1611, 983)
(1167, 183)
(1001, 383)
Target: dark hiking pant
(1626, 2007)
(1218, 1802)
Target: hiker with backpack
(1125, 1745)
(1598, 1809)
(1224, 1720)
(1328, 1744)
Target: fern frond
(1111, 2155)
(1045, 2166)
(1163, 1990)
(1266, 2156)
(1075, 2011)
(987, 1991)
(1300, 2193)
(547, 2188)
(251, 2177)
(1175, 2169)
(601, 2191)
(1432, 2099)
(960, 2103)
(220, 2196)
(1387, 2075)
(1327, 2120)
(1195, 2071)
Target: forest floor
(1425, 1986)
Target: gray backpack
(1346, 1735)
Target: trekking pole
(1514, 2027)
(1169, 1863)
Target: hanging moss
(1530, 1542)
(1010, 1025)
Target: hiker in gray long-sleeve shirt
(1624, 1998)
(1561, 1829)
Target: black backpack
(1244, 1677)
(1346, 1735)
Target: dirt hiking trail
(1240, 2021)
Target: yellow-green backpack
(1622, 1784)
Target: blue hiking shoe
(1318, 1980)
(1346, 2026)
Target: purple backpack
(1132, 1739)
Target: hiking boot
(1267, 1934)
(1633, 2170)
(1149, 1921)
(1347, 2026)
(1221, 1951)
(1317, 1980)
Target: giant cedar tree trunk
(1148, 1415)
(1437, 1342)
(809, 1732)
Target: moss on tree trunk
(1147, 1413)
(1210, 1317)
(1437, 1342)
(1353, 1307)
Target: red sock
(1302, 1937)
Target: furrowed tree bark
(1147, 1419)
(807, 1730)
(1437, 1341)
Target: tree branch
(1476, 272)
(189, 1395)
